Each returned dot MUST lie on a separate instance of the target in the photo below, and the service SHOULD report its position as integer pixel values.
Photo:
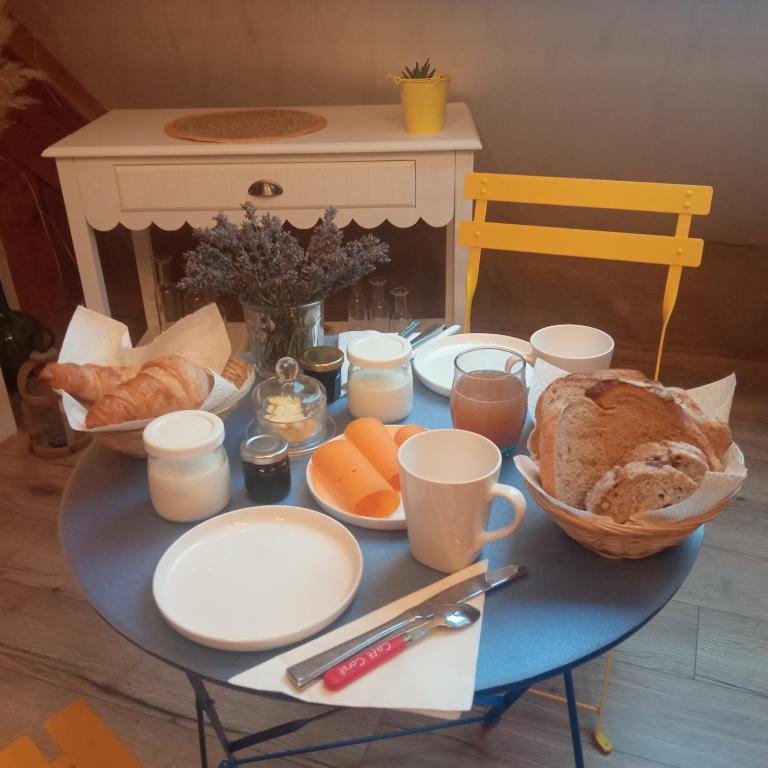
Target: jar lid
(379, 350)
(321, 359)
(263, 449)
(183, 434)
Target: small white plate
(433, 363)
(258, 577)
(320, 493)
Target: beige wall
(662, 90)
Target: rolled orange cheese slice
(373, 440)
(353, 482)
(409, 430)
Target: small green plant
(419, 71)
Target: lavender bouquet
(280, 284)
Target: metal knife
(427, 334)
(309, 670)
(410, 328)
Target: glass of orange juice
(489, 394)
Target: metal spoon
(449, 616)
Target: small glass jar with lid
(266, 467)
(380, 382)
(292, 406)
(188, 469)
(324, 364)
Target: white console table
(123, 169)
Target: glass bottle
(196, 298)
(357, 309)
(400, 314)
(167, 294)
(379, 305)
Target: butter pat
(283, 409)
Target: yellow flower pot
(423, 101)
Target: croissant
(165, 384)
(87, 382)
(236, 371)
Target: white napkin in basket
(93, 338)
(714, 399)
(436, 675)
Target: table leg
(457, 256)
(84, 241)
(573, 716)
(145, 267)
(202, 746)
(205, 707)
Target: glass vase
(275, 332)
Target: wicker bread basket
(624, 540)
(132, 443)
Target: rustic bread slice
(682, 456)
(564, 390)
(593, 434)
(571, 451)
(718, 433)
(638, 487)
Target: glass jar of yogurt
(380, 382)
(188, 468)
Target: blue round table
(572, 606)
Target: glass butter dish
(293, 406)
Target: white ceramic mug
(449, 478)
(574, 348)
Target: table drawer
(376, 184)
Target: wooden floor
(689, 690)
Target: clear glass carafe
(400, 314)
(357, 309)
(379, 305)
(168, 296)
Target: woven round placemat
(240, 125)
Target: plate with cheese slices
(355, 477)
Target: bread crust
(165, 384)
(236, 371)
(638, 487)
(87, 382)
(681, 456)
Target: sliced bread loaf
(638, 487)
(595, 432)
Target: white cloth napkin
(436, 674)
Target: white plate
(258, 577)
(395, 522)
(433, 363)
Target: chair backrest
(676, 251)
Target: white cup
(574, 348)
(448, 479)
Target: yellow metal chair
(675, 251)
(83, 737)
